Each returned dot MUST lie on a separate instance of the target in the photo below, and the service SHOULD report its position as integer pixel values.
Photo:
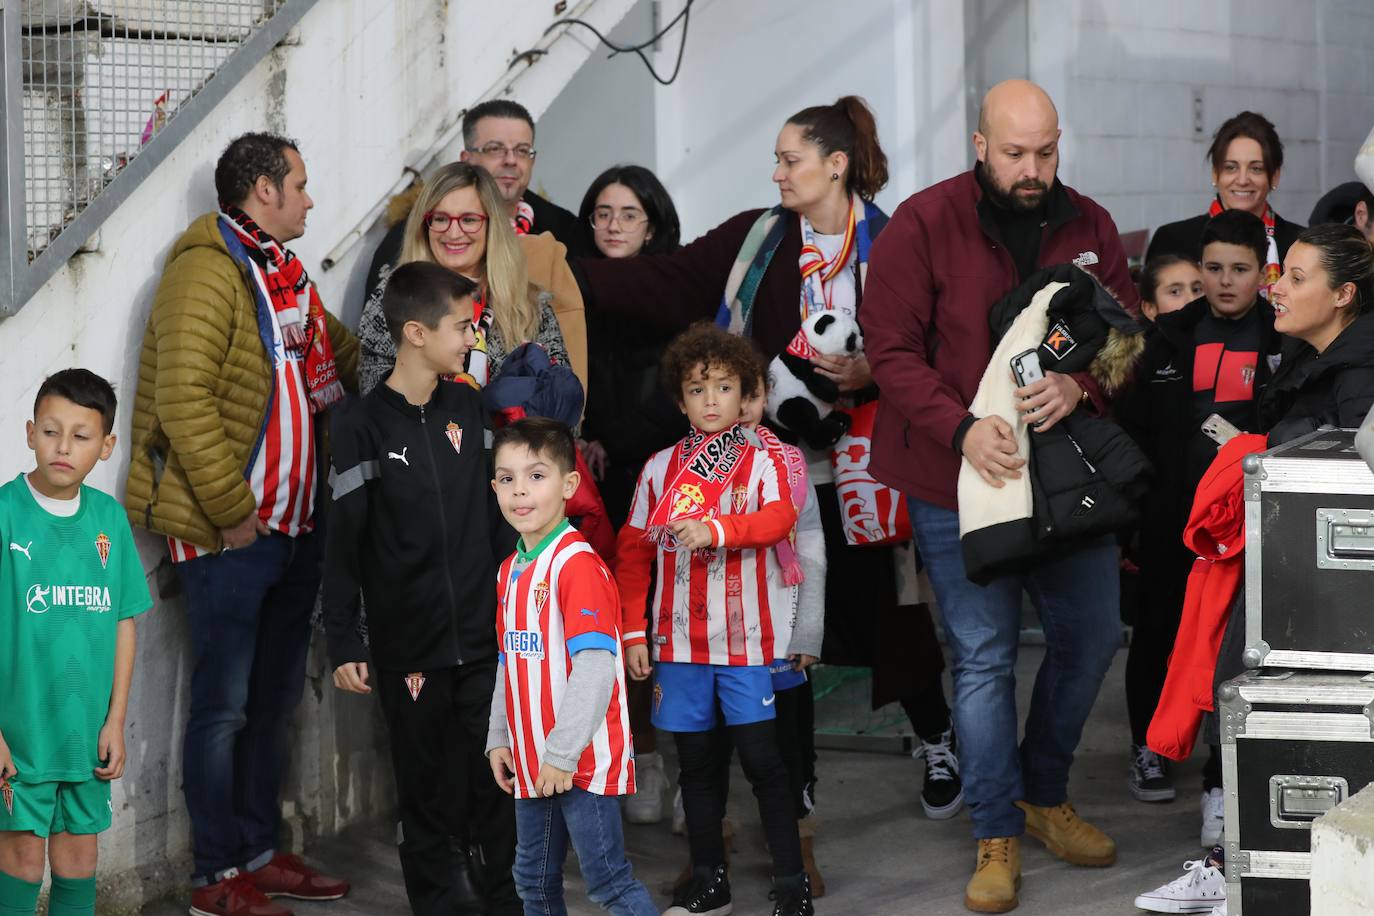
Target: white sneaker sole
(1162, 905)
(945, 812)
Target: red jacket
(935, 272)
(1216, 533)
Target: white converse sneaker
(1197, 890)
(1213, 805)
(646, 805)
(1219, 909)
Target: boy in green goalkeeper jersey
(70, 585)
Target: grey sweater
(808, 632)
(582, 710)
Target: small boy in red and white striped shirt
(559, 735)
(708, 513)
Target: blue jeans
(1078, 599)
(250, 627)
(543, 827)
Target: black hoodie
(414, 525)
(1311, 389)
(1160, 413)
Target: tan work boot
(1068, 836)
(806, 829)
(997, 876)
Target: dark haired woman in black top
(1246, 157)
(629, 417)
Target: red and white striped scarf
(297, 306)
(817, 273)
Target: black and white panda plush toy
(802, 400)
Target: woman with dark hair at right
(1323, 302)
(1246, 157)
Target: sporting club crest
(454, 432)
(739, 497)
(415, 682)
(102, 547)
(686, 499)
(541, 596)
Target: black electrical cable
(684, 16)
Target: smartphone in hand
(1219, 429)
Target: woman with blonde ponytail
(457, 221)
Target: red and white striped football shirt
(716, 612)
(562, 602)
(283, 474)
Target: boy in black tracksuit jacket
(1214, 355)
(415, 528)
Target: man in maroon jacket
(948, 254)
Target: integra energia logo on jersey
(93, 598)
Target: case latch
(1296, 801)
(1345, 539)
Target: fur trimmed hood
(1087, 328)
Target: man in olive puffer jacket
(239, 363)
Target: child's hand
(109, 747)
(691, 534)
(552, 780)
(801, 662)
(637, 662)
(7, 768)
(352, 676)
(503, 768)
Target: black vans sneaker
(707, 894)
(942, 795)
(792, 896)
(1150, 779)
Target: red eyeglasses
(469, 223)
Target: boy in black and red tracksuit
(415, 528)
(1215, 355)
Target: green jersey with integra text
(65, 583)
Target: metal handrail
(22, 272)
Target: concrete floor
(879, 854)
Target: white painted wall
(603, 116)
(1124, 73)
(748, 68)
(367, 89)
(712, 131)
(1121, 72)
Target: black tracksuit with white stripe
(414, 525)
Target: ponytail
(1347, 257)
(848, 127)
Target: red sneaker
(234, 895)
(287, 876)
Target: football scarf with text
(791, 467)
(293, 298)
(705, 466)
(1272, 269)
